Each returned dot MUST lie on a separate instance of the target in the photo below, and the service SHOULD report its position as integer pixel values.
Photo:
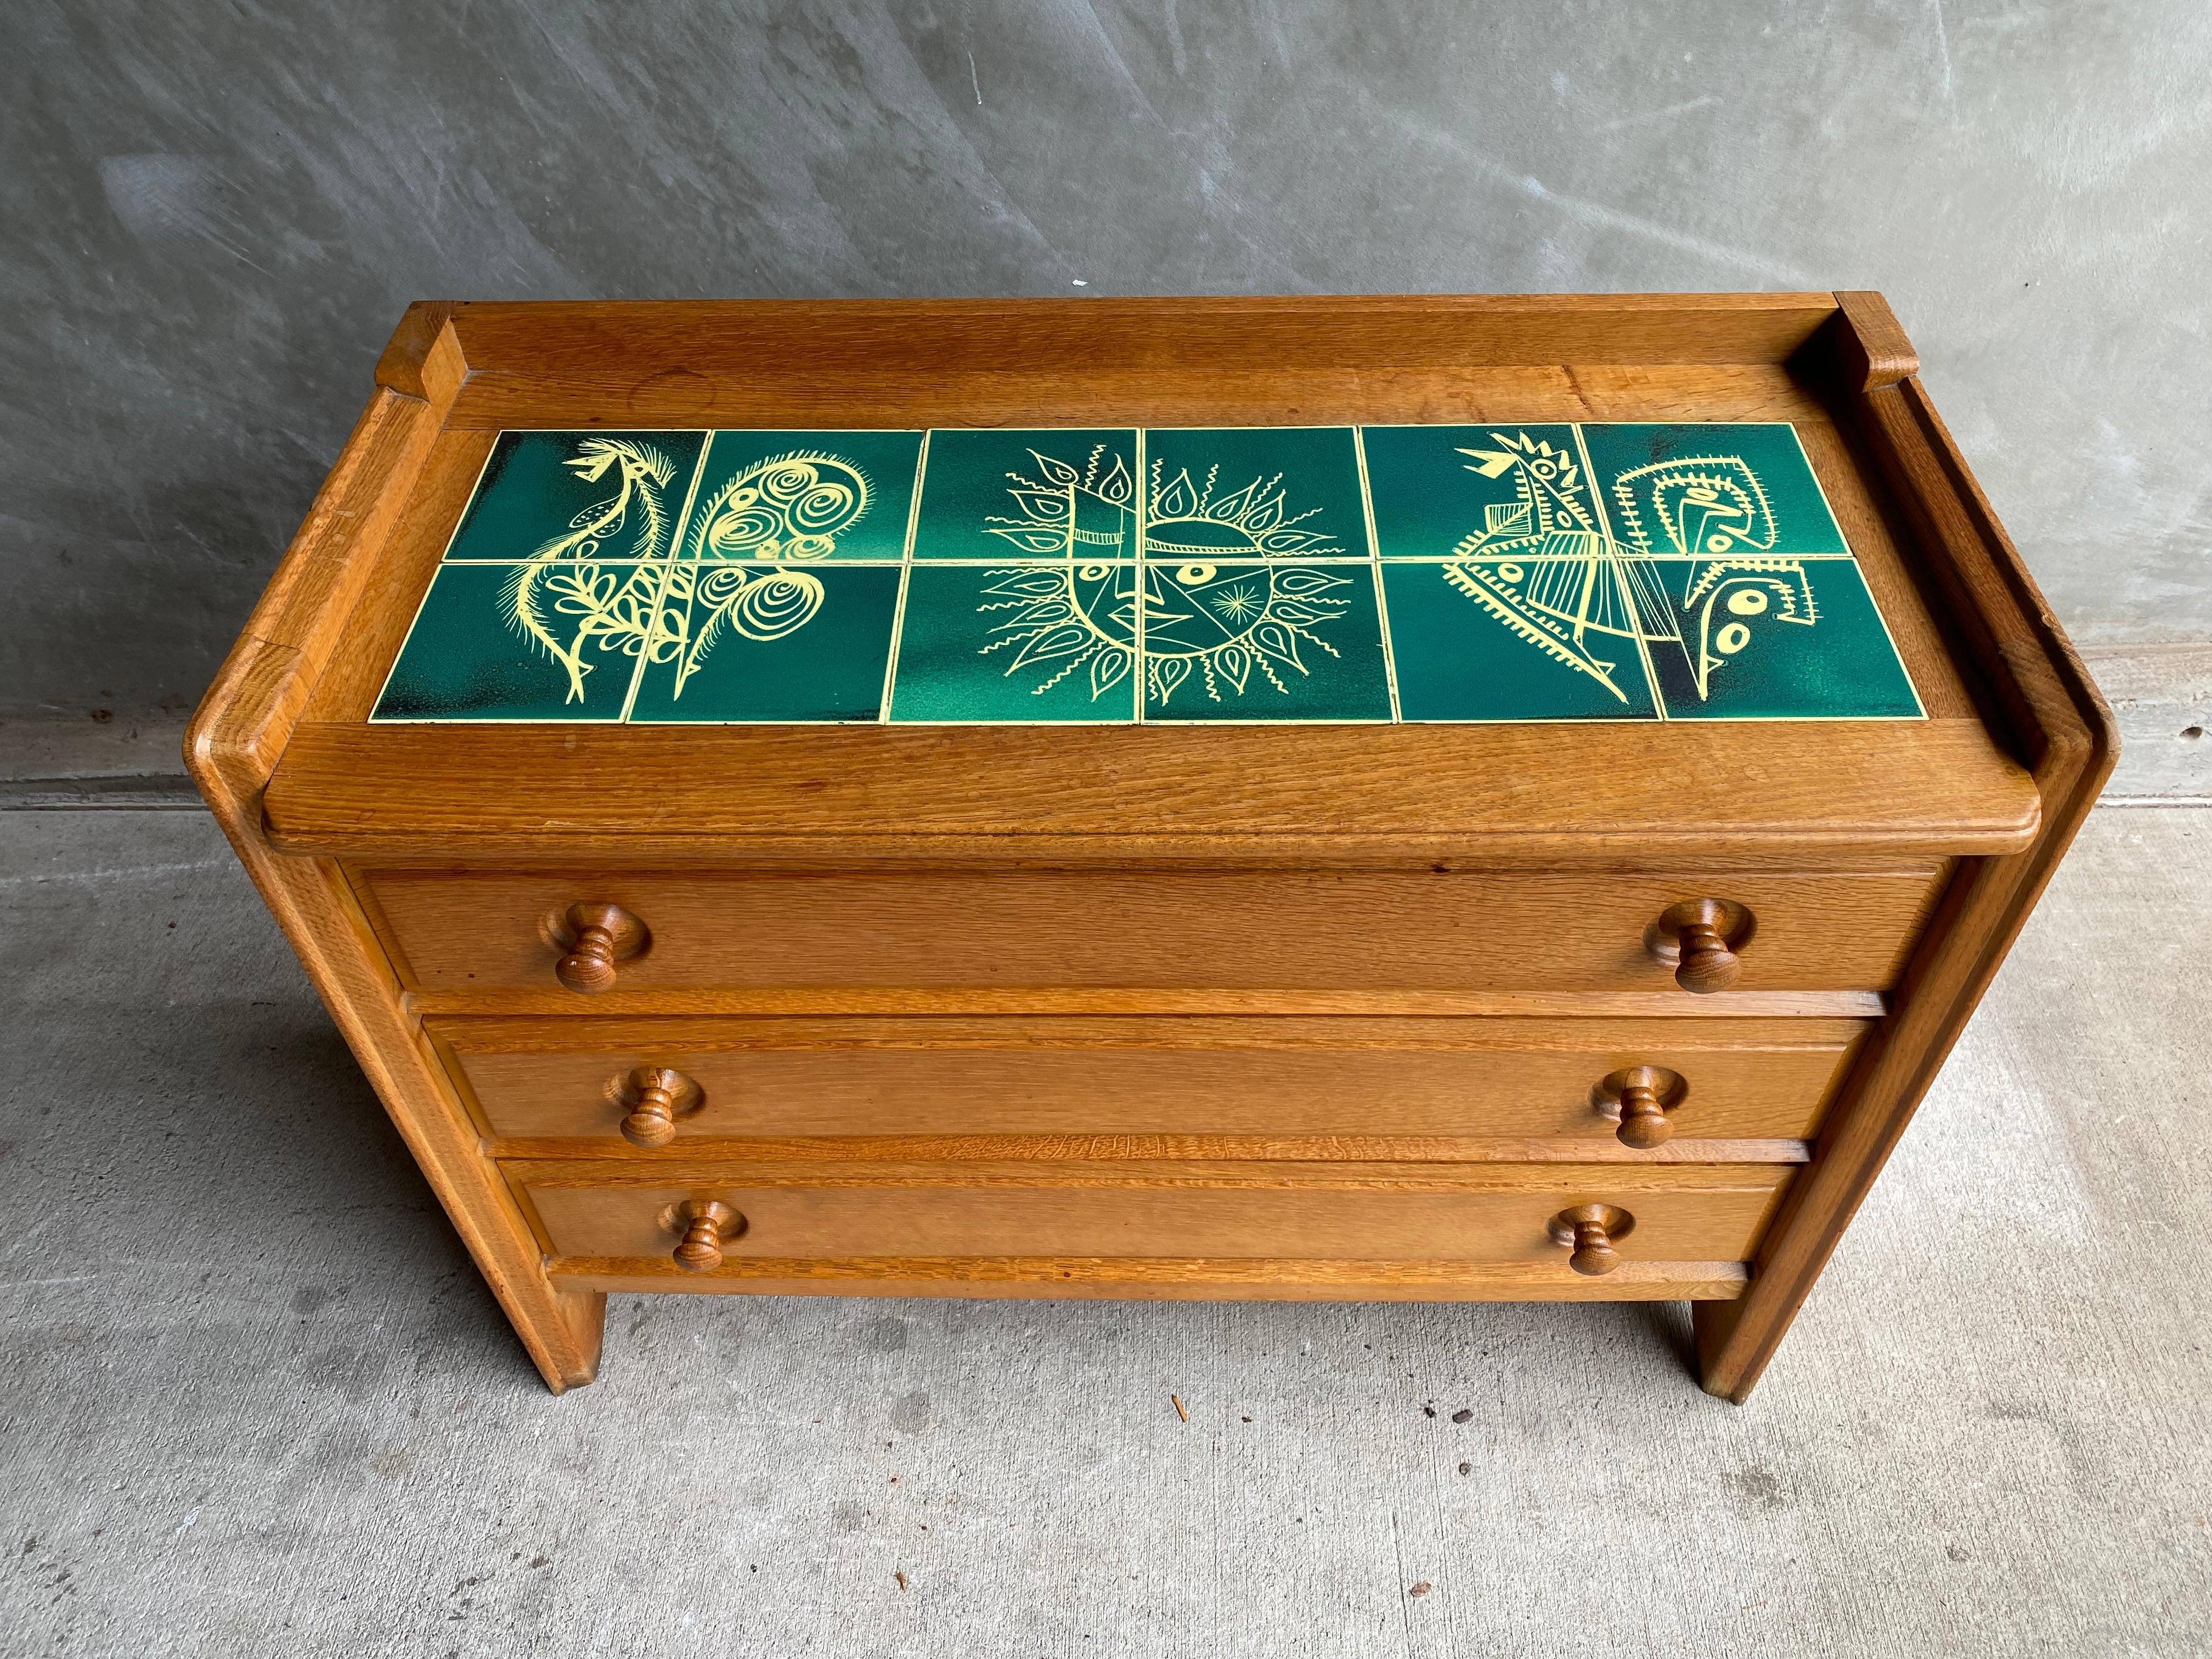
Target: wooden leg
(561, 1328)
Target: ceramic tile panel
(1457, 574)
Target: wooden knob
(1637, 1099)
(707, 1224)
(655, 1097)
(1589, 1229)
(1698, 939)
(597, 936)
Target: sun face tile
(1515, 640)
(1273, 641)
(1037, 642)
(770, 643)
(802, 495)
(1252, 493)
(1776, 639)
(556, 641)
(1006, 494)
(1729, 491)
(1446, 491)
(608, 495)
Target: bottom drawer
(1117, 1229)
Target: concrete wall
(214, 212)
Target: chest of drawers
(1457, 799)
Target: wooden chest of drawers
(1489, 797)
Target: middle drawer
(1268, 1076)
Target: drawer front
(1254, 930)
(1257, 1077)
(1380, 1213)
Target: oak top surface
(1634, 607)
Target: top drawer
(463, 930)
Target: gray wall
(214, 212)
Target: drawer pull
(654, 1097)
(1638, 1100)
(597, 936)
(1588, 1229)
(706, 1225)
(1698, 939)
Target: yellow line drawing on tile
(1216, 606)
(563, 600)
(1545, 566)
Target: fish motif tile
(1506, 571)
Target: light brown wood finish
(234, 742)
(1973, 806)
(2041, 695)
(1353, 930)
(1196, 1208)
(1180, 1076)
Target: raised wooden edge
(870, 1000)
(701, 339)
(1597, 1148)
(1165, 1279)
(232, 746)
(2045, 701)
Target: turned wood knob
(1637, 1100)
(597, 936)
(1589, 1229)
(656, 1097)
(708, 1224)
(1698, 939)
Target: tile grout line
(1375, 562)
(1143, 573)
(1628, 599)
(667, 576)
(906, 577)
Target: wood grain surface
(1353, 930)
(1276, 1077)
(1347, 1211)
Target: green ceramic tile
(752, 642)
(1532, 571)
(797, 496)
(1274, 642)
(1528, 639)
(1252, 493)
(1046, 642)
(1776, 639)
(551, 641)
(1459, 491)
(1009, 494)
(1715, 490)
(578, 495)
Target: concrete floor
(255, 1399)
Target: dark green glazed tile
(1776, 639)
(1722, 491)
(1252, 493)
(1046, 642)
(578, 495)
(1274, 642)
(1446, 491)
(1527, 639)
(1010, 495)
(797, 496)
(555, 641)
(754, 642)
